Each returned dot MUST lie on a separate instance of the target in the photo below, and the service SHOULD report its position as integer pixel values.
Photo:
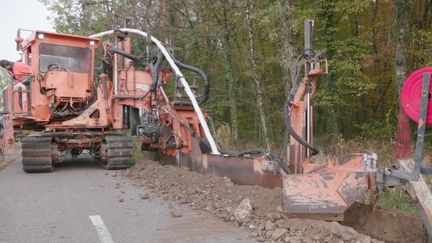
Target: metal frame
(419, 155)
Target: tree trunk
(227, 51)
(402, 147)
(291, 68)
(255, 75)
(402, 25)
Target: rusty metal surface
(329, 190)
(318, 216)
(241, 170)
(296, 152)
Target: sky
(26, 14)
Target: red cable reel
(410, 99)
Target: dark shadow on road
(80, 163)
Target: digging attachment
(328, 191)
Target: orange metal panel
(67, 84)
(327, 190)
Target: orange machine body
(70, 106)
(53, 87)
(65, 94)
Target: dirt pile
(253, 208)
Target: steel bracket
(414, 175)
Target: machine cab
(60, 82)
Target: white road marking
(104, 234)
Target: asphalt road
(55, 207)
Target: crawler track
(36, 154)
(117, 152)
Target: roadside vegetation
(250, 51)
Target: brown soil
(219, 196)
(386, 224)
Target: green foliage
(5, 78)
(421, 44)
(357, 37)
(399, 199)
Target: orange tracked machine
(70, 105)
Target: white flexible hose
(182, 80)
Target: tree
(255, 75)
(403, 136)
(253, 57)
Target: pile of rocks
(252, 208)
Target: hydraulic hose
(155, 71)
(298, 138)
(282, 163)
(203, 98)
(177, 71)
(154, 66)
(123, 53)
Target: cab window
(69, 58)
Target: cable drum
(411, 95)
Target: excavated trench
(390, 225)
(265, 222)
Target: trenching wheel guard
(326, 191)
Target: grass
(396, 198)
(335, 146)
